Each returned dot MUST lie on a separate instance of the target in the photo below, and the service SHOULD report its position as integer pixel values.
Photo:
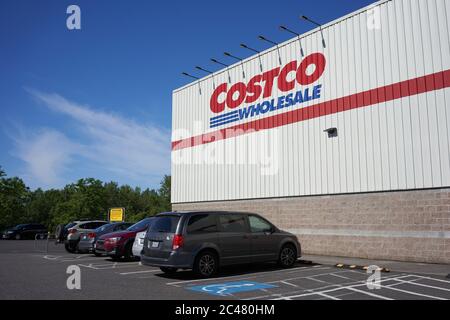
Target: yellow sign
(116, 214)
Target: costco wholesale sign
(380, 75)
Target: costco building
(340, 135)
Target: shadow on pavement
(235, 270)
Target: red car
(120, 244)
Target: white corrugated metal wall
(394, 145)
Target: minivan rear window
(166, 224)
(202, 223)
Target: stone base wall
(402, 225)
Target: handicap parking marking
(229, 288)
(248, 276)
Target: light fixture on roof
(194, 77)
(223, 64)
(274, 43)
(237, 58)
(207, 71)
(243, 45)
(317, 24)
(297, 34)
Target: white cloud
(46, 154)
(134, 151)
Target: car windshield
(103, 227)
(70, 225)
(140, 225)
(18, 227)
(166, 224)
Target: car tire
(128, 251)
(97, 254)
(70, 248)
(168, 270)
(206, 264)
(287, 256)
(18, 237)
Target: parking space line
(136, 272)
(317, 280)
(303, 277)
(422, 285)
(369, 294)
(289, 284)
(339, 276)
(328, 296)
(359, 284)
(390, 287)
(260, 274)
(430, 278)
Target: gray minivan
(203, 241)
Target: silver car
(138, 243)
(76, 229)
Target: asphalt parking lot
(27, 271)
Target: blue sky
(96, 102)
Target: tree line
(87, 198)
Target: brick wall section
(358, 220)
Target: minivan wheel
(288, 256)
(17, 236)
(206, 264)
(168, 270)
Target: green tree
(14, 195)
(87, 198)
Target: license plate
(155, 244)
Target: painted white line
(341, 285)
(328, 296)
(340, 288)
(430, 278)
(413, 293)
(289, 284)
(313, 279)
(136, 272)
(303, 277)
(243, 276)
(50, 257)
(422, 285)
(338, 276)
(369, 294)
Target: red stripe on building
(391, 92)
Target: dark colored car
(120, 244)
(203, 241)
(88, 239)
(25, 231)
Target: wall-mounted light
(274, 43)
(194, 77)
(332, 132)
(297, 34)
(317, 24)
(243, 45)
(237, 58)
(224, 65)
(207, 71)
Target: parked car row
(197, 240)
(25, 231)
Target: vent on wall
(332, 132)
